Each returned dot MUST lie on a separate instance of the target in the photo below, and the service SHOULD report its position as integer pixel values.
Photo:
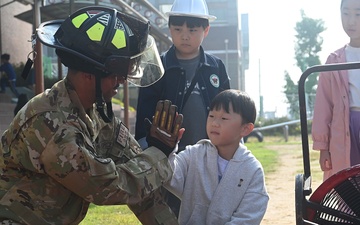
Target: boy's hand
(163, 132)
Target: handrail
(278, 125)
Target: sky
(272, 41)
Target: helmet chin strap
(100, 103)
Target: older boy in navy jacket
(192, 77)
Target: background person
(65, 149)
(9, 76)
(336, 120)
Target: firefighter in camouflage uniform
(65, 149)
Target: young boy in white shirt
(218, 180)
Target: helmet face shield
(146, 68)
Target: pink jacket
(330, 127)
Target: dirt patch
(281, 186)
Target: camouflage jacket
(56, 160)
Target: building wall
(14, 33)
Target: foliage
(291, 93)
(308, 41)
(116, 100)
(293, 129)
(307, 48)
(21, 82)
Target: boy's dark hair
(191, 22)
(5, 56)
(241, 103)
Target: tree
(291, 96)
(307, 47)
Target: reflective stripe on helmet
(119, 39)
(96, 32)
(77, 21)
(103, 41)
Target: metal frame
(303, 181)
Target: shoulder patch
(214, 80)
(123, 135)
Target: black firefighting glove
(162, 133)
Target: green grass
(268, 158)
(119, 214)
(122, 215)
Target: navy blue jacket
(213, 79)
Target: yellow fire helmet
(104, 41)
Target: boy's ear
(247, 129)
(206, 31)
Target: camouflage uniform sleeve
(72, 160)
(115, 141)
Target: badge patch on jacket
(123, 135)
(214, 80)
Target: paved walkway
(6, 111)
(7, 106)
